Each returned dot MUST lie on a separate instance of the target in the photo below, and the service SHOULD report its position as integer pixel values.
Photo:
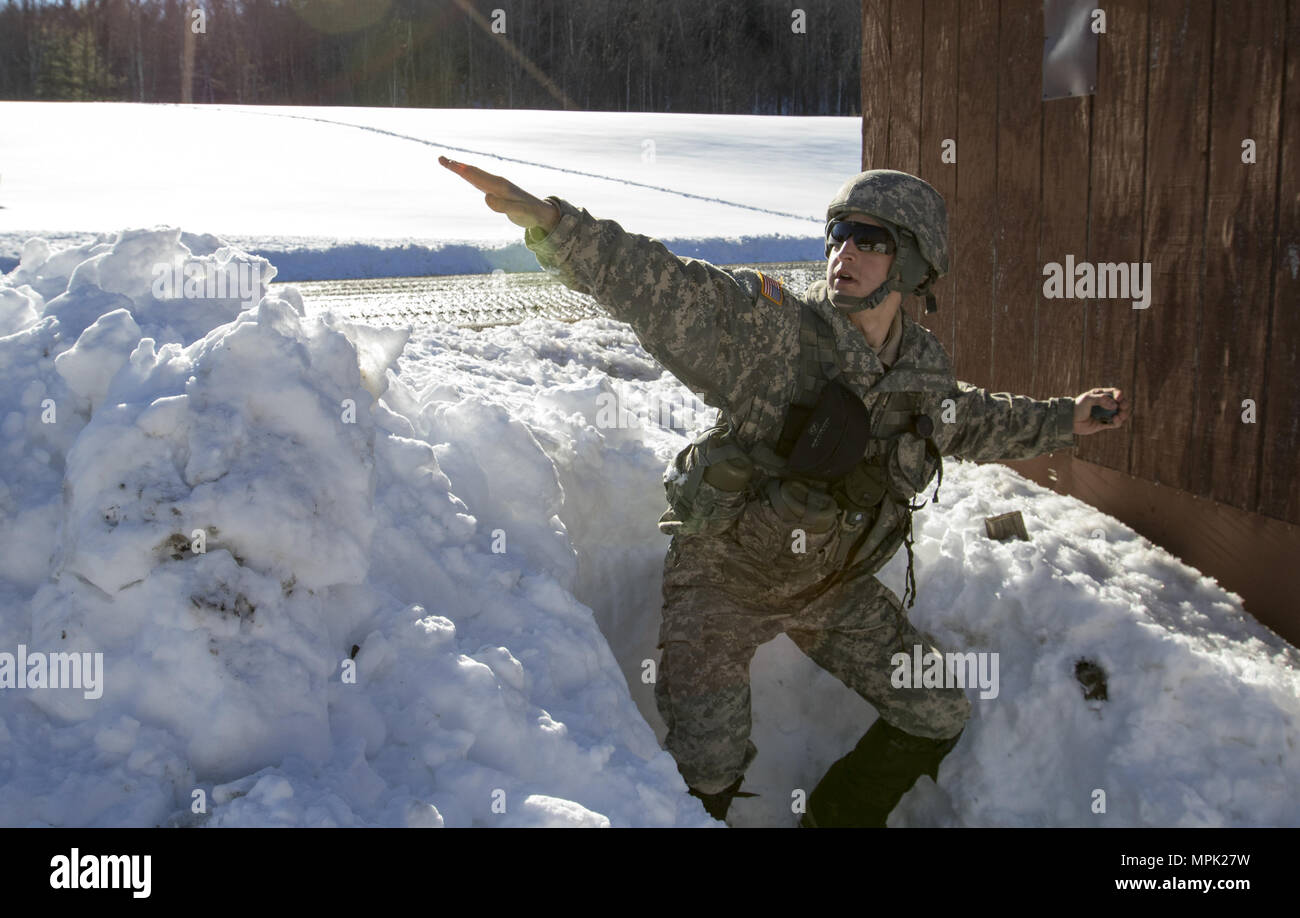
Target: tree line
(792, 57)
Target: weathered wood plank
(877, 83)
(939, 123)
(905, 103)
(1063, 231)
(975, 238)
(1239, 232)
(1164, 424)
(1279, 490)
(1116, 210)
(1017, 281)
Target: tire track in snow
(529, 162)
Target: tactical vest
(713, 477)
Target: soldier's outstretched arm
(998, 425)
(505, 197)
(698, 320)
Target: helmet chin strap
(851, 304)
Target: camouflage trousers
(724, 596)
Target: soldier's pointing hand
(507, 198)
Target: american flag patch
(772, 289)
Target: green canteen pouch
(768, 531)
(808, 508)
(864, 487)
(706, 487)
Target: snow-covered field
(349, 192)
(348, 575)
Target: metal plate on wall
(1069, 49)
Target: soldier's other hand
(1109, 399)
(507, 198)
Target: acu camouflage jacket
(740, 352)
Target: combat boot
(861, 789)
(717, 804)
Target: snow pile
(296, 613)
(342, 575)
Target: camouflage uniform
(739, 583)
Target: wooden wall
(1149, 169)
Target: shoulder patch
(771, 288)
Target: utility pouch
(707, 486)
(808, 508)
(863, 487)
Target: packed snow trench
(327, 574)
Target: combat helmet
(918, 218)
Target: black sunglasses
(865, 236)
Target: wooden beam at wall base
(1255, 556)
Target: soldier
(834, 410)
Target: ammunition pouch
(707, 485)
(863, 487)
(801, 505)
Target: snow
(353, 192)
(344, 575)
(328, 520)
